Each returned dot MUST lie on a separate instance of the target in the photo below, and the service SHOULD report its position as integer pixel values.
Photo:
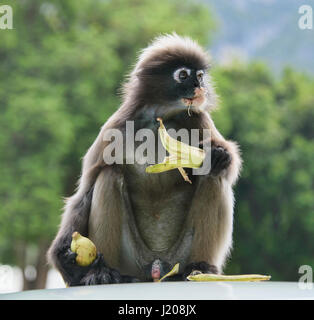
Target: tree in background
(273, 122)
(60, 71)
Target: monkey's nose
(197, 84)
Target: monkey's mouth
(189, 101)
(197, 100)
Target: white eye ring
(176, 74)
(200, 74)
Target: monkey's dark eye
(181, 74)
(200, 75)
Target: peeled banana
(181, 150)
(85, 249)
(219, 277)
(172, 272)
(181, 155)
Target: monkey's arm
(225, 156)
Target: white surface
(11, 279)
(54, 280)
(172, 291)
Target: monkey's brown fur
(100, 208)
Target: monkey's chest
(160, 204)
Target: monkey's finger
(70, 257)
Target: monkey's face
(176, 81)
(190, 87)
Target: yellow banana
(192, 155)
(85, 249)
(169, 163)
(181, 155)
(172, 272)
(219, 277)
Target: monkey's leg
(104, 229)
(211, 215)
(211, 211)
(79, 215)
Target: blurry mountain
(265, 30)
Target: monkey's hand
(220, 160)
(99, 273)
(96, 273)
(71, 271)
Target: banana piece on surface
(219, 277)
(172, 272)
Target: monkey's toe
(195, 272)
(197, 268)
(102, 276)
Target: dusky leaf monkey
(142, 224)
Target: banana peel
(219, 277)
(84, 248)
(204, 277)
(181, 155)
(172, 272)
(170, 163)
(181, 150)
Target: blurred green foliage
(272, 119)
(60, 72)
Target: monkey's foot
(199, 267)
(101, 274)
(220, 160)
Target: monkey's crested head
(170, 69)
(172, 48)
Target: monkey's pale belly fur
(160, 204)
